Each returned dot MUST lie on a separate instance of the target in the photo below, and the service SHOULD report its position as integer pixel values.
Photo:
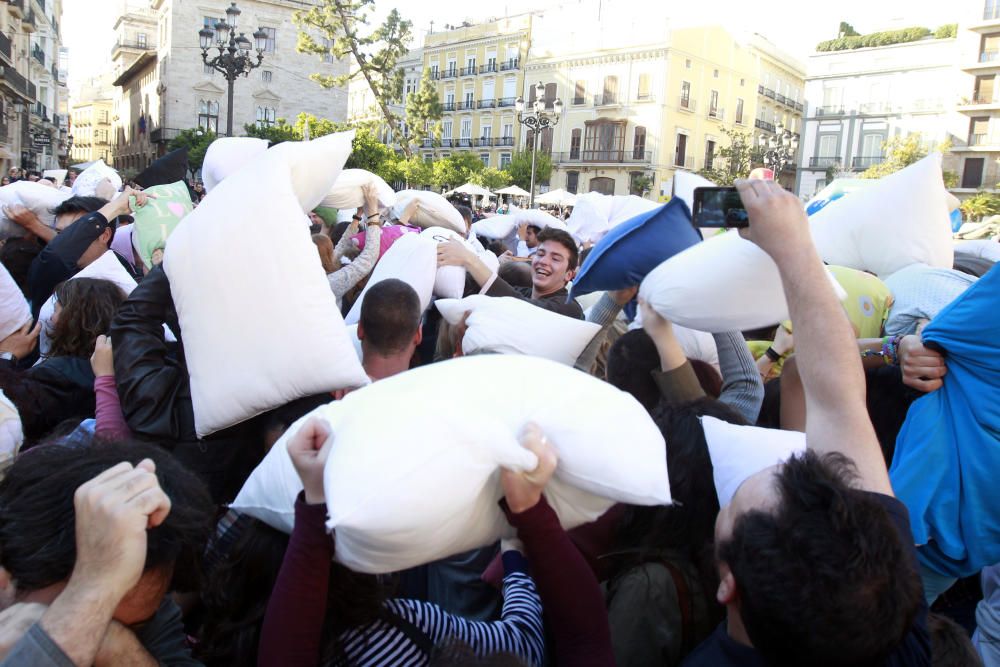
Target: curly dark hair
(88, 307)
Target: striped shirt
(519, 630)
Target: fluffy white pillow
(724, 283)
(412, 259)
(502, 226)
(89, 180)
(346, 192)
(227, 155)
(14, 311)
(419, 485)
(268, 331)
(449, 281)
(901, 219)
(39, 199)
(684, 184)
(507, 325)
(594, 214)
(434, 211)
(58, 174)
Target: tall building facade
(977, 149)
(163, 87)
(90, 119)
(860, 98)
(780, 100)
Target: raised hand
(523, 490)
(309, 448)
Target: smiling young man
(552, 267)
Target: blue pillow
(635, 247)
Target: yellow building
(479, 72)
(780, 99)
(91, 113)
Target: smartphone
(719, 207)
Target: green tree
(901, 152)
(373, 53)
(520, 168)
(847, 30)
(367, 152)
(946, 30)
(456, 169)
(196, 141)
(980, 205)
(491, 178)
(423, 113)
(416, 171)
(736, 159)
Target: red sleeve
(293, 624)
(110, 422)
(572, 601)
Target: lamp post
(779, 150)
(536, 121)
(234, 58)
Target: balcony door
(602, 184)
(972, 172)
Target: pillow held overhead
(268, 331)
(434, 210)
(412, 259)
(87, 183)
(347, 193)
(14, 311)
(155, 221)
(227, 155)
(634, 248)
(37, 198)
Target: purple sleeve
(293, 624)
(572, 601)
(110, 422)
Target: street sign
(41, 140)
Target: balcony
(763, 125)
(864, 161)
(16, 8)
(486, 104)
(685, 103)
(428, 143)
(483, 142)
(55, 73)
(13, 80)
(38, 54)
(5, 48)
(447, 143)
(129, 45)
(464, 142)
(874, 108)
(510, 64)
(989, 56)
(468, 71)
(823, 162)
(488, 68)
(449, 74)
(467, 105)
(780, 98)
(504, 141)
(28, 22)
(979, 140)
(832, 110)
(41, 111)
(684, 162)
(770, 93)
(606, 100)
(644, 97)
(506, 101)
(604, 157)
(435, 75)
(716, 113)
(799, 107)
(447, 106)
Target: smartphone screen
(719, 207)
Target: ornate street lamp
(536, 121)
(778, 151)
(234, 58)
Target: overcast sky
(793, 25)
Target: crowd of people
(118, 545)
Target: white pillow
(227, 155)
(419, 485)
(352, 333)
(507, 325)
(724, 283)
(58, 174)
(14, 311)
(699, 345)
(739, 452)
(449, 281)
(901, 219)
(627, 207)
(495, 226)
(684, 184)
(89, 180)
(39, 199)
(346, 192)
(589, 219)
(434, 211)
(412, 259)
(268, 331)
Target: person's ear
(361, 332)
(417, 337)
(106, 236)
(726, 593)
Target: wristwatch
(8, 356)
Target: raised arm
(829, 363)
(742, 388)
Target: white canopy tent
(514, 191)
(557, 197)
(472, 190)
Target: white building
(857, 99)
(44, 144)
(978, 148)
(164, 86)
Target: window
(829, 145)
(580, 92)
(489, 90)
(686, 95)
(680, 152)
(209, 22)
(508, 129)
(972, 172)
(713, 104)
(208, 69)
(709, 153)
(485, 157)
(871, 145)
(446, 129)
(469, 99)
(266, 75)
(603, 184)
(470, 64)
(434, 71)
(265, 116)
(550, 95)
(639, 143)
(486, 131)
(208, 115)
(504, 160)
(604, 141)
(328, 57)
(449, 100)
(644, 86)
(491, 60)
(272, 38)
(466, 128)
(574, 143)
(739, 110)
(572, 181)
(984, 90)
(452, 69)
(979, 130)
(141, 40)
(687, 63)
(715, 74)
(743, 82)
(510, 87)
(610, 95)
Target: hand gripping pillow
(412, 259)
(724, 283)
(37, 198)
(449, 281)
(434, 210)
(506, 325)
(14, 311)
(89, 180)
(901, 219)
(155, 221)
(227, 155)
(502, 226)
(268, 330)
(422, 484)
(634, 248)
(347, 193)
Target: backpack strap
(418, 637)
(684, 602)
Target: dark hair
(824, 578)
(516, 274)
(88, 307)
(337, 232)
(950, 643)
(708, 377)
(465, 212)
(390, 316)
(631, 360)
(17, 255)
(78, 204)
(563, 238)
(37, 516)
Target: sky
(793, 25)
